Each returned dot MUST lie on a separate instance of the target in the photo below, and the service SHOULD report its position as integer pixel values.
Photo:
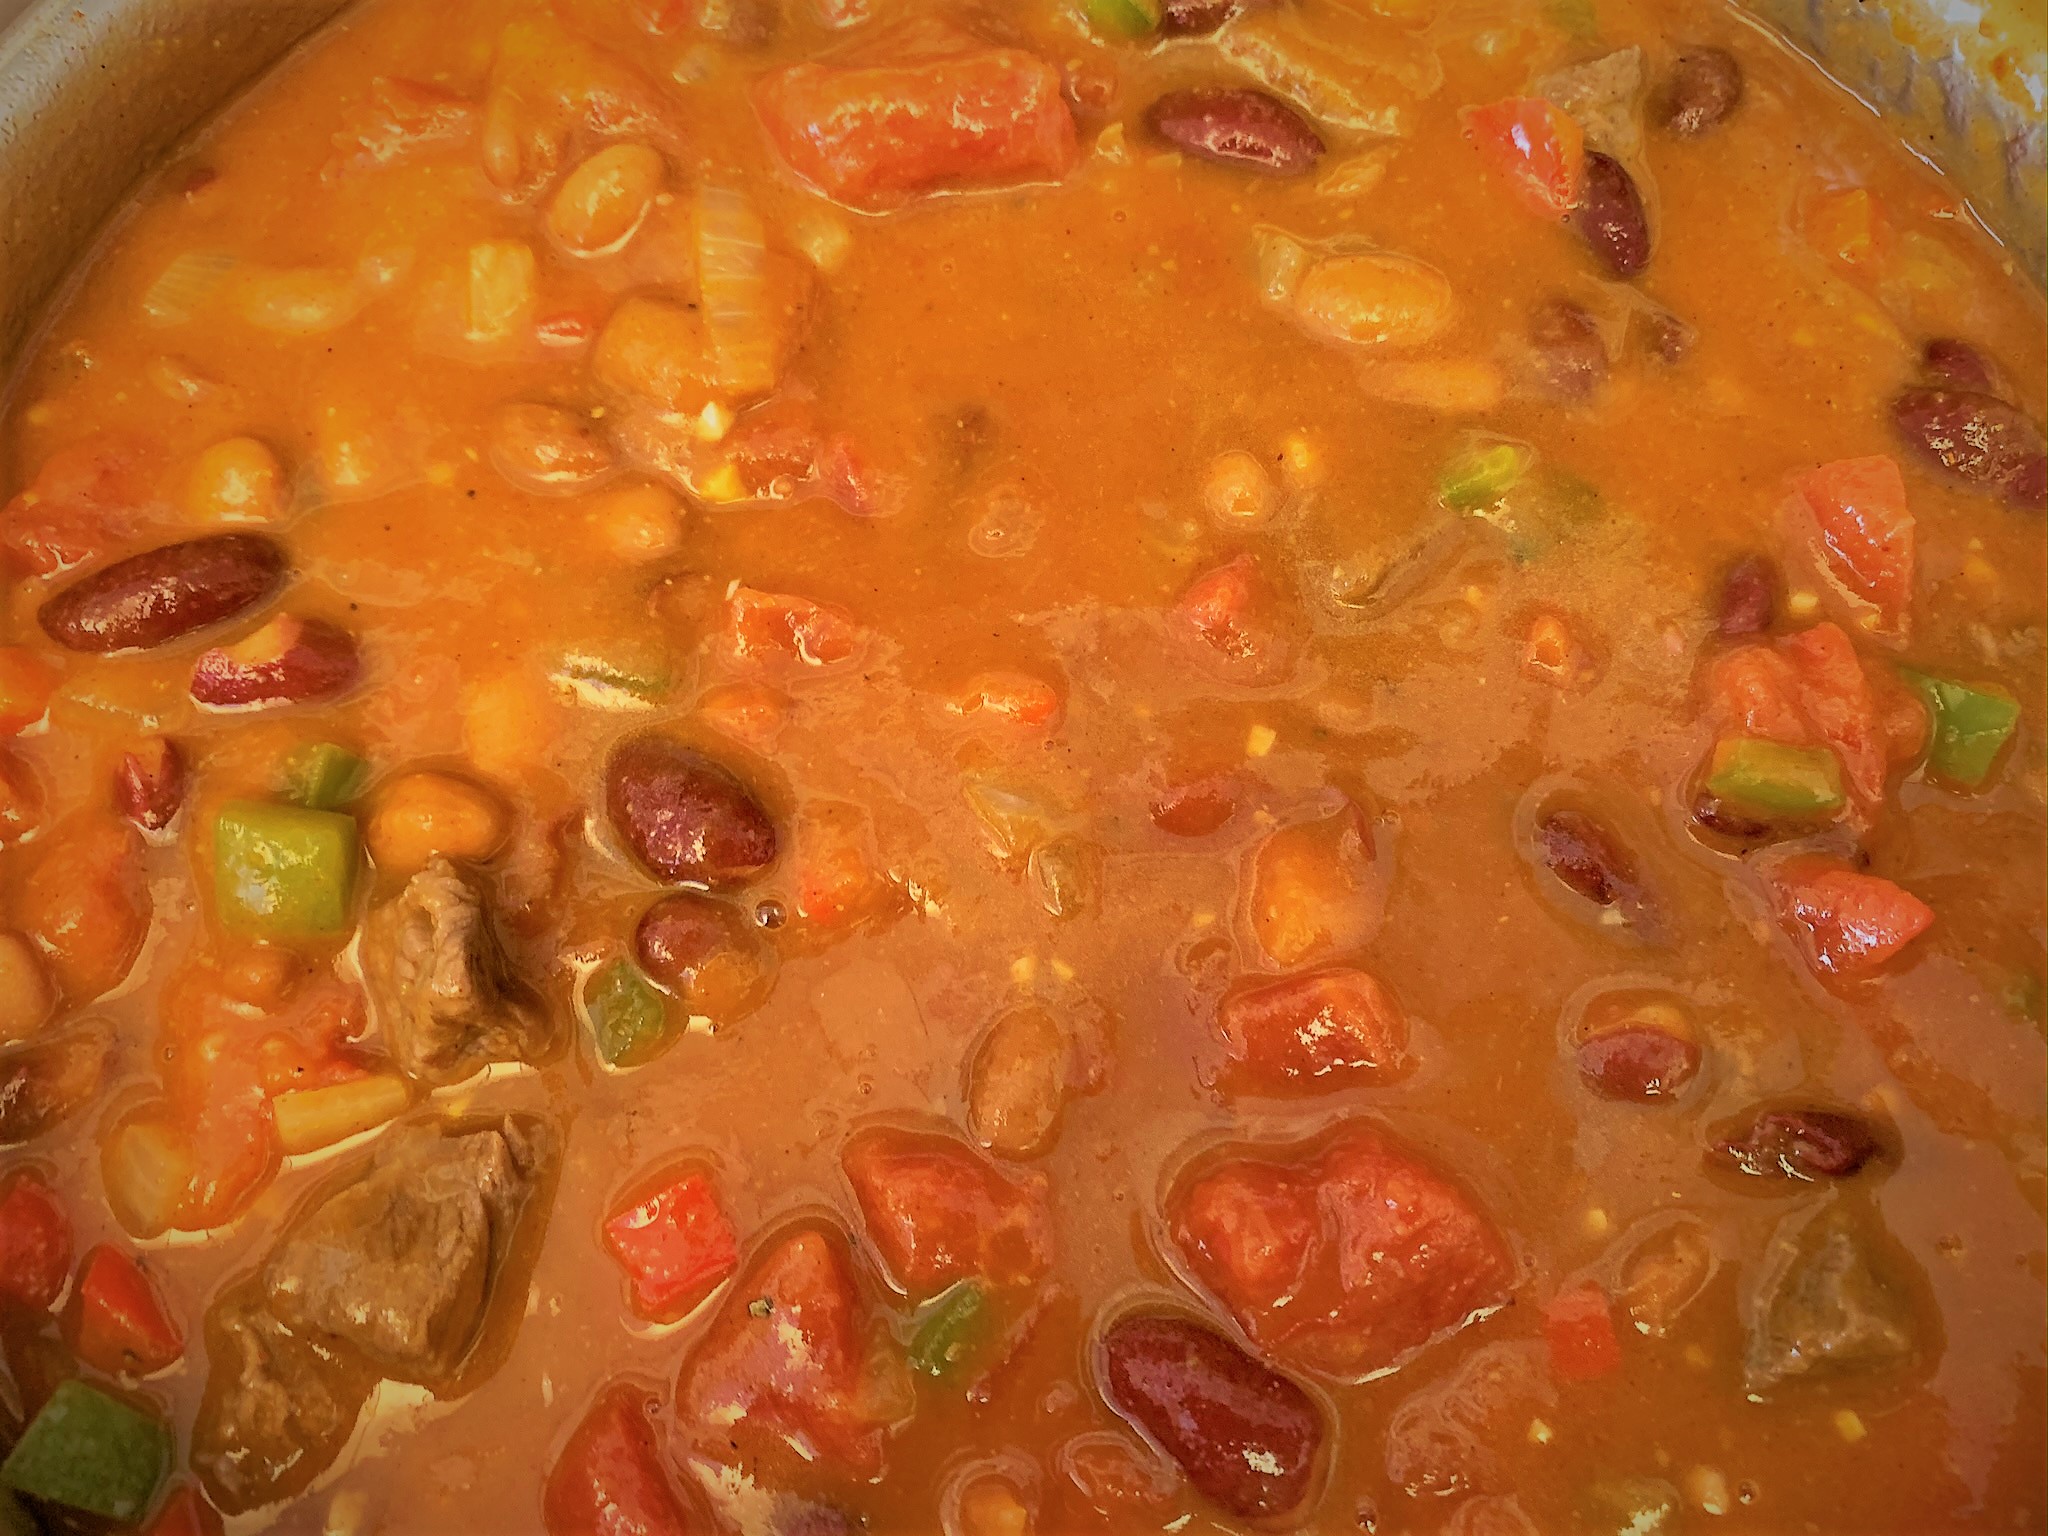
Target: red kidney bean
(1235, 125)
(288, 661)
(1749, 596)
(1806, 1144)
(164, 594)
(1246, 1436)
(48, 1080)
(1637, 1061)
(683, 816)
(1947, 363)
(1977, 438)
(1611, 218)
(1196, 808)
(149, 783)
(1717, 816)
(1195, 18)
(1585, 856)
(1570, 357)
(1705, 86)
(705, 952)
(1666, 337)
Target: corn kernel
(1259, 740)
(1595, 1222)
(723, 484)
(1849, 1425)
(1539, 1432)
(1023, 968)
(1803, 602)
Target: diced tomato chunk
(35, 1241)
(932, 107)
(1013, 696)
(1848, 923)
(1223, 619)
(1343, 1257)
(775, 628)
(26, 683)
(610, 1479)
(1536, 146)
(752, 714)
(124, 1327)
(1578, 1327)
(837, 879)
(87, 498)
(86, 905)
(185, 1513)
(939, 1211)
(1807, 689)
(1851, 518)
(1316, 888)
(1313, 1031)
(676, 1245)
(398, 118)
(791, 1366)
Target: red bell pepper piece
(1578, 1325)
(124, 1327)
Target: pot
(93, 93)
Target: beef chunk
(1827, 1301)
(399, 1264)
(278, 1407)
(445, 995)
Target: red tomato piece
(1807, 689)
(676, 1246)
(1578, 1327)
(26, 683)
(1343, 1257)
(35, 1242)
(771, 628)
(1221, 618)
(1314, 1031)
(1013, 696)
(1536, 146)
(935, 108)
(1852, 517)
(86, 906)
(939, 1212)
(791, 1362)
(837, 879)
(397, 119)
(1847, 923)
(1316, 889)
(87, 498)
(124, 1327)
(610, 1479)
(1196, 807)
(185, 1513)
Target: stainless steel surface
(94, 92)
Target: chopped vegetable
(1124, 18)
(1483, 473)
(124, 1327)
(1578, 1327)
(501, 295)
(26, 683)
(1775, 779)
(732, 253)
(92, 1452)
(1971, 726)
(1539, 149)
(311, 1118)
(282, 871)
(35, 1242)
(184, 1513)
(676, 1246)
(952, 1328)
(1849, 923)
(323, 777)
(619, 677)
(628, 1019)
(147, 1166)
(1853, 513)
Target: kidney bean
(1805, 1144)
(1637, 1061)
(1197, 807)
(1713, 814)
(1195, 18)
(1705, 86)
(1611, 218)
(46, 1081)
(1570, 357)
(288, 661)
(1749, 597)
(683, 816)
(1235, 125)
(1246, 1436)
(164, 594)
(545, 449)
(1977, 438)
(706, 953)
(1586, 857)
(1947, 363)
(149, 783)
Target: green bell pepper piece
(628, 1016)
(1125, 18)
(91, 1452)
(282, 871)
(323, 777)
(1970, 726)
(1482, 474)
(1775, 779)
(951, 1331)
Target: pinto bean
(683, 816)
(290, 660)
(1570, 357)
(1947, 363)
(1705, 86)
(706, 954)
(164, 594)
(1807, 1144)
(546, 449)
(1749, 597)
(1017, 1084)
(1977, 438)
(149, 783)
(1611, 218)
(1246, 1436)
(1236, 125)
